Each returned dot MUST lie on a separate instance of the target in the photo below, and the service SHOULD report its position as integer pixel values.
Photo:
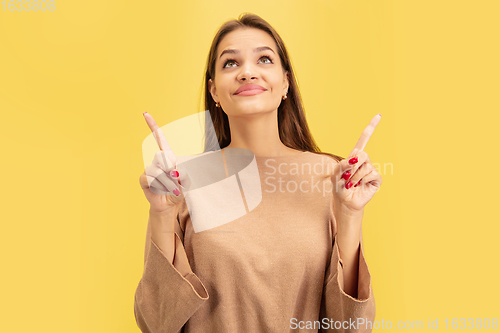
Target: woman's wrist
(349, 228)
(164, 221)
(342, 212)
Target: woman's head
(248, 56)
(271, 69)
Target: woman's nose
(247, 76)
(247, 72)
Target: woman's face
(253, 59)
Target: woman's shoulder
(328, 157)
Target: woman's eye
(232, 60)
(270, 62)
(227, 62)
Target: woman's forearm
(348, 238)
(163, 230)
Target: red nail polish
(174, 173)
(353, 160)
(358, 182)
(346, 175)
(176, 192)
(348, 185)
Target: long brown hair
(292, 125)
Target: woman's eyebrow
(257, 49)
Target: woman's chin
(249, 112)
(251, 108)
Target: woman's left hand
(355, 179)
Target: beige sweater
(276, 269)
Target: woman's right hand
(163, 184)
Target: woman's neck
(259, 134)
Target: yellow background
(74, 83)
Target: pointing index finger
(161, 140)
(365, 136)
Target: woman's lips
(250, 92)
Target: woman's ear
(211, 88)
(286, 83)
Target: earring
(217, 104)
(284, 97)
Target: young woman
(296, 261)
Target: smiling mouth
(250, 92)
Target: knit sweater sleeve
(349, 314)
(169, 293)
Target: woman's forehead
(241, 39)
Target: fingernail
(174, 173)
(348, 185)
(358, 182)
(346, 175)
(176, 192)
(144, 113)
(353, 160)
(380, 114)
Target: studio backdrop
(75, 77)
